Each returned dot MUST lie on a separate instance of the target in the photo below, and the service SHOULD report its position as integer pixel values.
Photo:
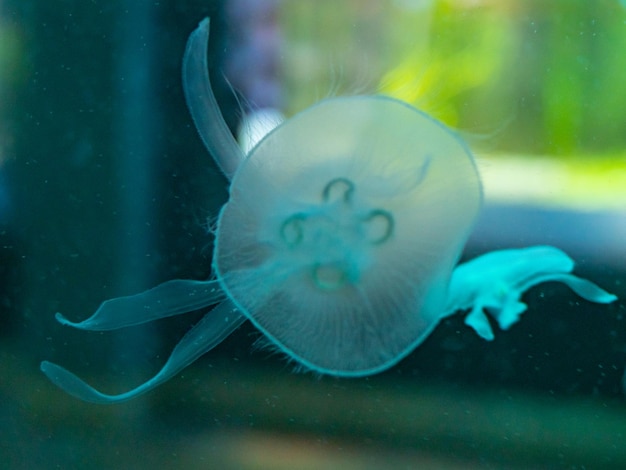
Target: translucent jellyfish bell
(341, 231)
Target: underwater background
(106, 190)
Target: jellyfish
(338, 242)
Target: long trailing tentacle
(202, 105)
(509, 313)
(214, 327)
(165, 300)
(582, 287)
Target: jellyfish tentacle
(511, 310)
(210, 331)
(165, 300)
(582, 287)
(203, 106)
(494, 283)
(478, 321)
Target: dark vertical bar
(136, 152)
(136, 159)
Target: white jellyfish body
(341, 231)
(338, 241)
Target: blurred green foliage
(543, 77)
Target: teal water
(106, 190)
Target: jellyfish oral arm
(202, 105)
(170, 298)
(494, 283)
(165, 300)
